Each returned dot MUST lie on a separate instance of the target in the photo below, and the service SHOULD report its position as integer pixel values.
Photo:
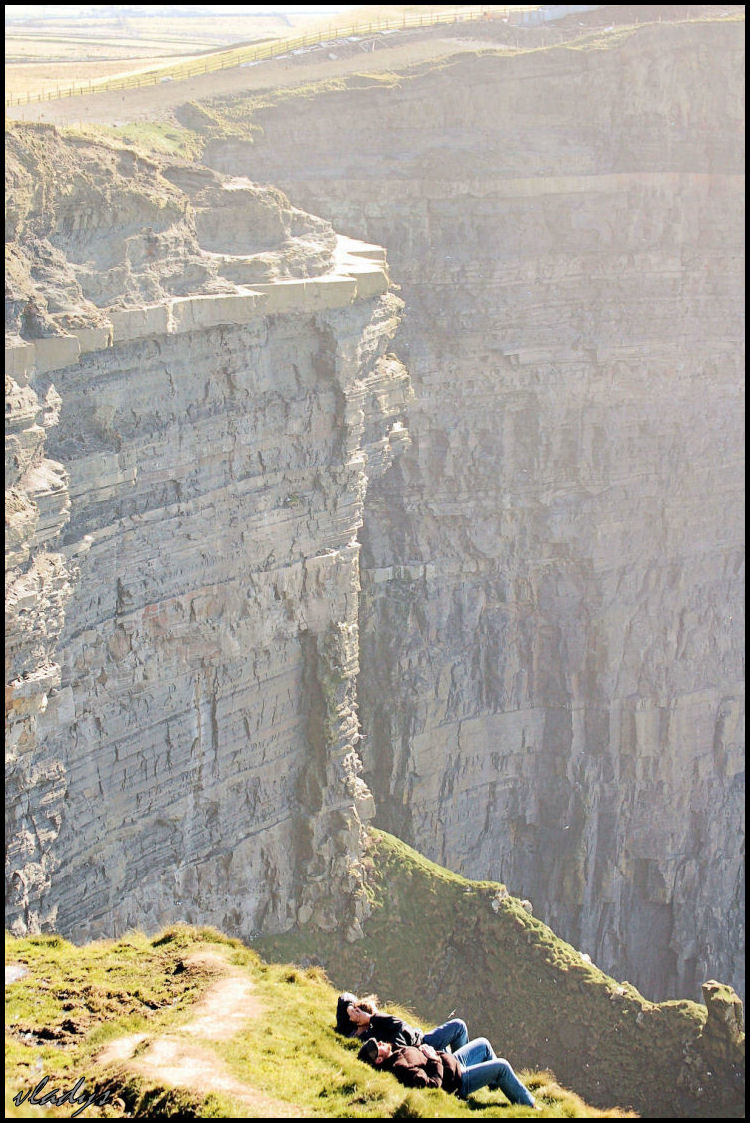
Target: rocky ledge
(198, 391)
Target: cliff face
(551, 614)
(200, 388)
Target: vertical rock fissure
(555, 567)
(221, 415)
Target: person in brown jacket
(474, 1065)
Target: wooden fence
(242, 56)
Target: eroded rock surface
(183, 669)
(552, 609)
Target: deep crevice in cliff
(550, 641)
(549, 679)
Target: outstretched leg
(495, 1074)
(475, 1052)
(450, 1035)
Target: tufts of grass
(185, 936)
(147, 138)
(434, 940)
(74, 999)
(292, 1051)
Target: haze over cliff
(551, 614)
(552, 608)
(240, 535)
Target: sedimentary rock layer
(198, 737)
(37, 588)
(552, 607)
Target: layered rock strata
(552, 609)
(195, 699)
(37, 588)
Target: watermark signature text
(76, 1096)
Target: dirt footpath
(183, 1058)
(371, 54)
(120, 107)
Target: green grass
(75, 999)
(436, 941)
(433, 941)
(322, 1072)
(148, 138)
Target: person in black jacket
(360, 1017)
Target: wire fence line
(239, 56)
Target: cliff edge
(199, 388)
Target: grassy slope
(434, 941)
(234, 116)
(76, 999)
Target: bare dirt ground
(183, 1058)
(121, 107)
(370, 55)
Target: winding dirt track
(183, 1058)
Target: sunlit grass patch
(432, 934)
(146, 137)
(75, 999)
(288, 1048)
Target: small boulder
(724, 1024)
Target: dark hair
(344, 1024)
(369, 1051)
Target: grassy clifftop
(143, 1022)
(437, 941)
(193, 1023)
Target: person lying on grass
(360, 1017)
(473, 1066)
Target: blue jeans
(481, 1069)
(451, 1035)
